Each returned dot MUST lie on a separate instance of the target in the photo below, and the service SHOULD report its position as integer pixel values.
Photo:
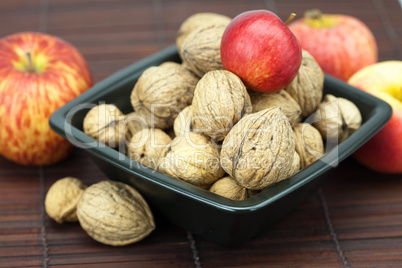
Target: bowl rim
(380, 114)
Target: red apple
(341, 44)
(383, 152)
(259, 47)
(38, 74)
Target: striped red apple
(38, 74)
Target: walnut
(196, 21)
(193, 158)
(220, 100)
(200, 50)
(262, 101)
(114, 213)
(147, 146)
(337, 118)
(229, 188)
(183, 122)
(134, 123)
(307, 87)
(105, 123)
(296, 165)
(161, 93)
(258, 151)
(62, 199)
(309, 143)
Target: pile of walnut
(111, 212)
(198, 123)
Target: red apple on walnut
(38, 74)
(383, 152)
(259, 47)
(341, 44)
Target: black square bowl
(213, 217)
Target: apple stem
(31, 67)
(291, 17)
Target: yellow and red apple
(340, 44)
(38, 74)
(383, 152)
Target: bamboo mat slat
(353, 220)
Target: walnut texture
(62, 198)
(196, 21)
(114, 213)
(134, 123)
(147, 146)
(200, 51)
(309, 143)
(307, 87)
(183, 122)
(220, 101)
(229, 188)
(193, 158)
(105, 123)
(258, 151)
(161, 92)
(296, 165)
(262, 101)
(337, 118)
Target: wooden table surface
(354, 220)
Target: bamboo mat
(354, 220)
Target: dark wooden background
(354, 220)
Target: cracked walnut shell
(161, 92)
(307, 87)
(114, 213)
(220, 101)
(258, 151)
(62, 198)
(337, 118)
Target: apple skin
(341, 44)
(383, 152)
(259, 48)
(28, 97)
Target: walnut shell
(196, 21)
(134, 123)
(220, 101)
(258, 151)
(229, 188)
(62, 199)
(262, 101)
(147, 146)
(161, 93)
(183, 122)
(200, 50)
(309, 143)
(193, 158)
(307, 87)
(337, 118)
(296, 165)
(114, 213)
(105, 123)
